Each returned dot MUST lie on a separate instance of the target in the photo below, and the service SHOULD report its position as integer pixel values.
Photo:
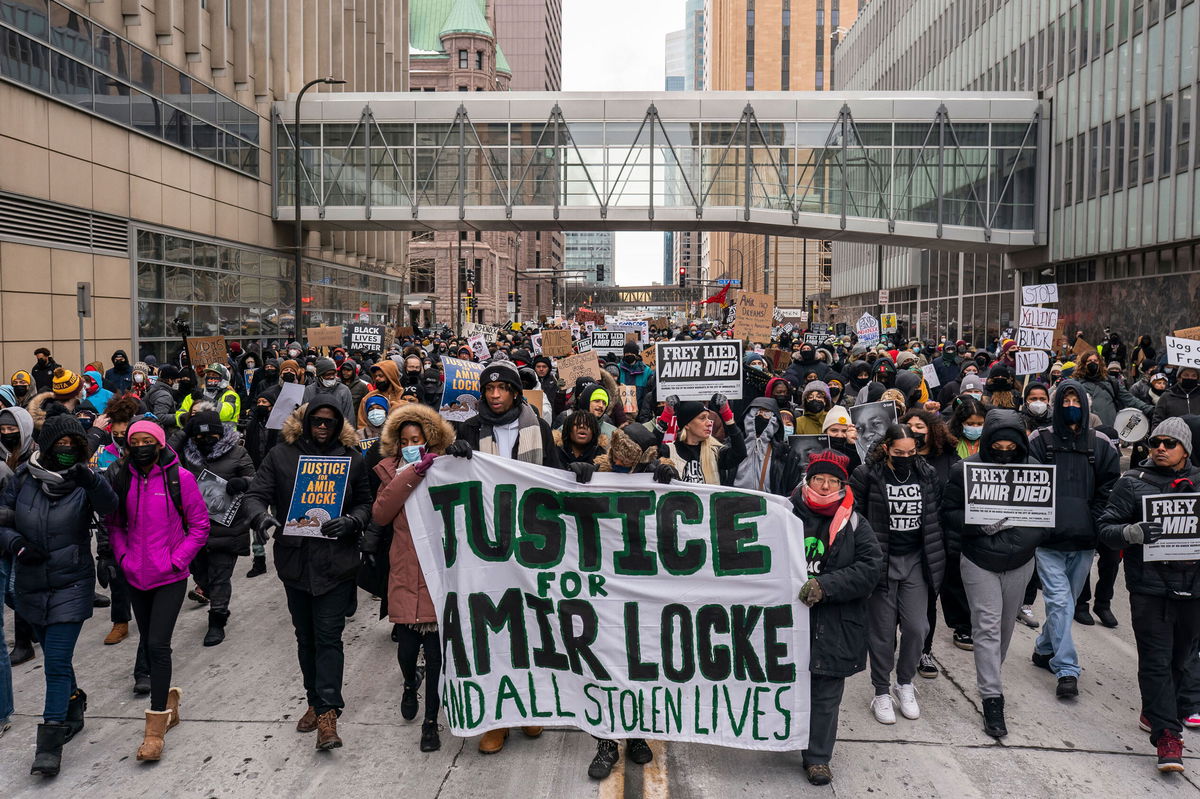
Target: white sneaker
(881, 706)
(1192, 722)
(1026, 617)
(906, 697)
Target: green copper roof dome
(466, 16)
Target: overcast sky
(620, 45)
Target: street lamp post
(299, 225)
(741, 265)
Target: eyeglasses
(1165, 443)
(322, 421)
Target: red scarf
(840, 506)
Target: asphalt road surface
(241, 701)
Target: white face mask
(138, 377)
(1038, 408)
(329, 382)
(376, 416)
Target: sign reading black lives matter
(1020, 495)
(695, 370)
(368, 338)
(1179, 515)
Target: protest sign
(1039, 295)
(1045, 318)
(929, 373)
(1192, 333)
(867, 328)
(872, 420)
(289, 399)
(365, 445)
(1179, 515)
(368, 338)
(584, 344)
(804, 446)
(614, 606)
(840, 329)
(608, 341)
(324, 336)
(648, 356)
(317, 494)
(888, 322)
(1183, 352)
(753, 321)
(585, 364)
(460, 390)
(536, 342)
(1018, 495)
(204, 351)
(695, 370)
(1035, 338)
(1032, 362)
(628, 396)
(640, 329)
(222, 508)
(489, 332)
(535, 397)
(405, 332)
(821, 328)
(479, 347)
(779, 359)
(583, 316)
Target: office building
(593, 253)
(1119, 82)
(770, 45)
(137, 157)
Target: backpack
(120, 480)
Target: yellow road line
(655, 784)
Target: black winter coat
(313, 565)
(61, 589)
(160, 401)
(1175, 402)
(870, 501)
(469, 431)
(1087, 464)
(227, 460)
(838, 623)
(1171, 579)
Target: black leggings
(408, 643)
(156, 611)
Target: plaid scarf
(529, 437)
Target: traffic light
(599, 273)
(682, 276)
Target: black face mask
(143, 454)
(806, 356)
(206, 443)
(20, 390)
(1005, 455)
(261, 411)
(760, 424)
(86, 421)
(630, 360)
(1188, 383)
(10, 441)
(121, 442)
(1001, 385)
(62, 457)
(835, 393)
(186, 385)
(920, 438)
(271, 374)
(814, 406)
(289, 377)
(381, 385)
(1092, 368)
(431, 387)
(839, 444)
(902, 464)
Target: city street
(242, 698)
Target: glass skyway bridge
(956, 170)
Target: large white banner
(622, 607)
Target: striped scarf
(529, 438)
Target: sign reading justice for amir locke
(695, 370)
(1021, 495)
(623, 607)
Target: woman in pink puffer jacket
(155, 534)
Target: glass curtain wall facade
(1120, 78)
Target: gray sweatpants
(902, 600)
(995, 598)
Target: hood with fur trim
(439, 434)
(293, 428)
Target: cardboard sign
(535, 397)
(289, 399)
(556, 343)
(648, 357)
(1035, 338)
(1032, 362)
(1183, 352)
(203, 351)
(324, 336)
(777, 358)
(753, 321)
(1192, 333)
(461, 389)
(608, 341)
(1021, 496)
(695, 370)
(317, 494)
(405, 332)
(628, 395)
(368, 338)
(1045, 318)
(585, 364)
(487, 331)
(1038, 295)
(583, 316)
(1081, 346)
(1179, 514)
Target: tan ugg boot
(173, 697)
(156, 728)
(118, 633)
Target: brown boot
(117, 634)
(173, 697)
(327, 737)
(493, 741)
(156, 728)
(307, 722)
(531, 732)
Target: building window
(1069, 173)
(1081, 164)
(1184, 140)
(462, 59)
(1105, 157)
(1166, 148)
(463, 88)
(1135, 145)
(1148, 145)
(478, 59)
(1119, 162)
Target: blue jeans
(6, 689)
(58, 649)
(1063, 575)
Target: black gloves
(236, 485)
(83, 476)
(106, 571)
(1142, 532)
(263, 524)
(26, 553)
(583, 471)
(369, 543)
(342, 525)
(664, 473)
(459, 449)
(197, 393)
(718, 401)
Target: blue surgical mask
(788, 430)
(412, 454)
(973, 432)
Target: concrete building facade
(137, 155)
(1120, 87)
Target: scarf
(529, 432)
(54, 484)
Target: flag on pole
(720, 296)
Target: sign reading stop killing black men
(695, 370)
(1020, 495)
(1179, 515)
